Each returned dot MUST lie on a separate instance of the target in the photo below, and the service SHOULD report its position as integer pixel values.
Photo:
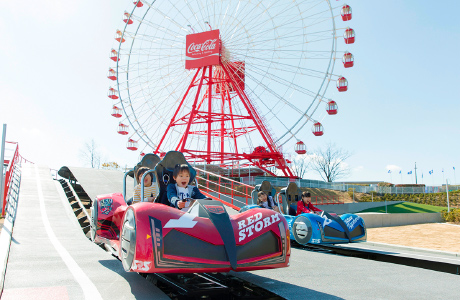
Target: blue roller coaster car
(314, 228)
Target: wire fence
(341, 186)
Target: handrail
(124, 183)
(224, 190)
(9, 177)
(228, 179)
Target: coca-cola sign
(202, 49)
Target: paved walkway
(50, 257)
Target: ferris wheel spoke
(288, 22)
(283, 66)
(288, 84)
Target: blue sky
(402, 105)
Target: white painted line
(89, 289)
(449, 224)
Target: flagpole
(415, 172)
(455, 177)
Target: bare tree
(111, 166)
(329, 162)
(300, 165)
(90, 154)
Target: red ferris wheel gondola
(300, 148)
(138, 3)
(317, 129)
(127, 18)
(346, 13)
(112, 74)
(112, 94)
(348, 60)
(349, 36)
(119, 36)
(122, 129)
(131, 145)
(114, 55)
(342, 84)
(332, 107)
(116, 112)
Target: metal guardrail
(10, 206)
(344, 187)
(235, 194)
(12, 165)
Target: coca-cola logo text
(205, 46)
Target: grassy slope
(406, 207)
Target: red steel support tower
(217, 86)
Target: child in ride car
(150, 190)
(181, 193)
(305, 206)
(265, 201)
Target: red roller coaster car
(157, 238)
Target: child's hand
(181, 204)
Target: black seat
(149, 160)
(291, 194)
(266, 187)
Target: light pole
(447, 191)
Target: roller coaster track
(451, 266)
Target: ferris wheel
(225, 80)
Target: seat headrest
(167, 164)
(293, 190)
(149, 160)
(267, 187)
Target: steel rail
(395, 258)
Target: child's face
(182, 179)
(306, 200)
(263, 197)
(147, 180)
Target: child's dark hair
(180, 168)
(141, 172)
(306, 194)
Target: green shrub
(351, 192)
(452, 216)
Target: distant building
(369, 183)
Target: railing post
(232, 191)
(219, 187)
(246, 195)
(207, 181)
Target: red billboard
(202, 49)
